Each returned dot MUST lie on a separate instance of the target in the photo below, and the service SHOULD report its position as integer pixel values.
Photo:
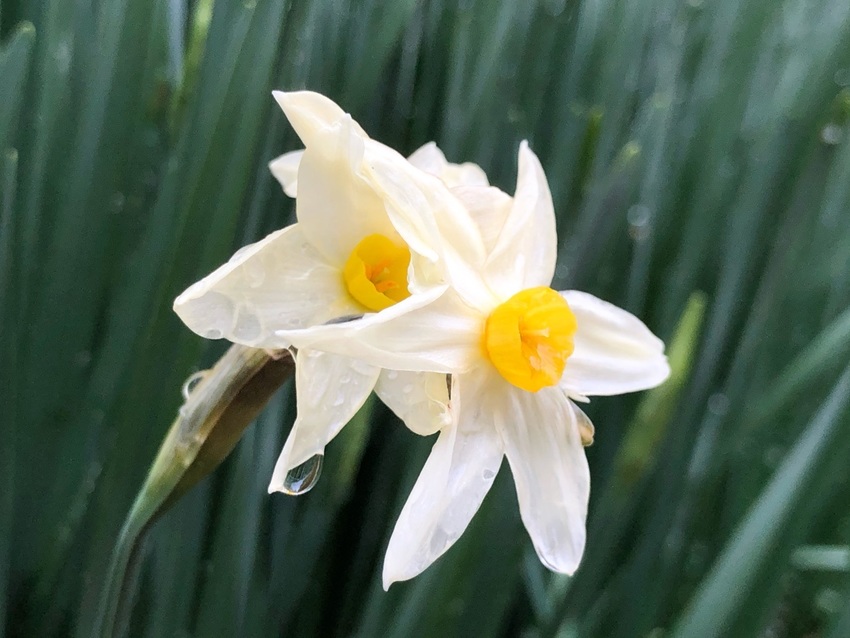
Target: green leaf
(751, 547)
(14, 66)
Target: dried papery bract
(209, 424)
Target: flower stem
(208, 426)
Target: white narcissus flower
(367, 247)
(419, 399)
(521, 355)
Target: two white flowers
(417, 279)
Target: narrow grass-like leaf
(616, 510)
(689, 146)
(9, 320)
(825, 558)
(829, 349)
(14, 66)
(724, 592)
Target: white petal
(344, 328)
(402, 190)
(337, 205)
(489, 207)
(309, 112)
(279, 282)
(285, 170)
(419, 399)
(525, 252)
(350, 187)
(330, 390)
(430, 159)
(432, 221)
(543, 445)
(419, 334)
(614, 351)
(456, 477)
(339, 202)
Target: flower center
(529, 337)
(376, 272)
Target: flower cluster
(415, 278)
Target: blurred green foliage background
(699, 156)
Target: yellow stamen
(376, 272)
(529, 337)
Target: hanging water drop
(192, 382)
(302, 478)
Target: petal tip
(284, 169)
(391, 575)
(562, 562)
(205, 312)
(528, 160)
(276, 482)
(281, 97)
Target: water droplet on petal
(248, 327)
(254, 272)
(407, 389)
(392, 374)
(439, 540)
(487, 474)
(192, 382)
(213, 313)
(302, 478)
